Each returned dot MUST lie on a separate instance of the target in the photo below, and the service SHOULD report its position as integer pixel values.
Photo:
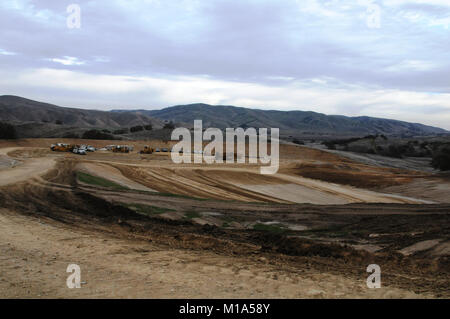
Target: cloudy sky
(384, 58)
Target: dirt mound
(365, 177)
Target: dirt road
(24, 169)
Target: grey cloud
(247, 41)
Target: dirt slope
(119, 268)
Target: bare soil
(197, 238)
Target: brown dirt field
(176, 247)
(115, 267)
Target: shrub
(137, 128)
(148, 127)
(71, 135)
(7, 131)
(394, 151)
(441, 159)
(330, 145)
(169, 126)
(96, 135)
(121, 131)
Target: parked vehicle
(122, 149)
(79, 151)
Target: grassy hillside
(293, 122)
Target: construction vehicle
(147, 150)
(61, 147)
(121, 149)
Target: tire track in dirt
(27, 169)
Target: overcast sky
(384, 58)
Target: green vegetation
(179, 196)
(97, 135)
(274, 228)
(70, 135)
(169, 126)
(381, 145)
(7, 131)
(297, 141)
(441, 159)
(191, 215)
(99, 181)
(137, 128)
(121, 131)
(146, 209)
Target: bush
(296, 141)
(394, 151)
(96, 135)
(7, 131)
(169, 126)
(121, 131)
(70, 135)
(330, 145)
(58, 122)
(148, 127)
(441, 159)
(137, 128)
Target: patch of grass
(171, 195)
(191, 215)
(181, 196)
(277, 229)
(147, 210)
(99, 181)
(336, 232)
(226, 225)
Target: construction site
(141, 226)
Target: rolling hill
(290, 122)
(39, 119)
(16, 109)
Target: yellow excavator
(147, 150)
(61, 147)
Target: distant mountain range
(21, 111)
(289, 122)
